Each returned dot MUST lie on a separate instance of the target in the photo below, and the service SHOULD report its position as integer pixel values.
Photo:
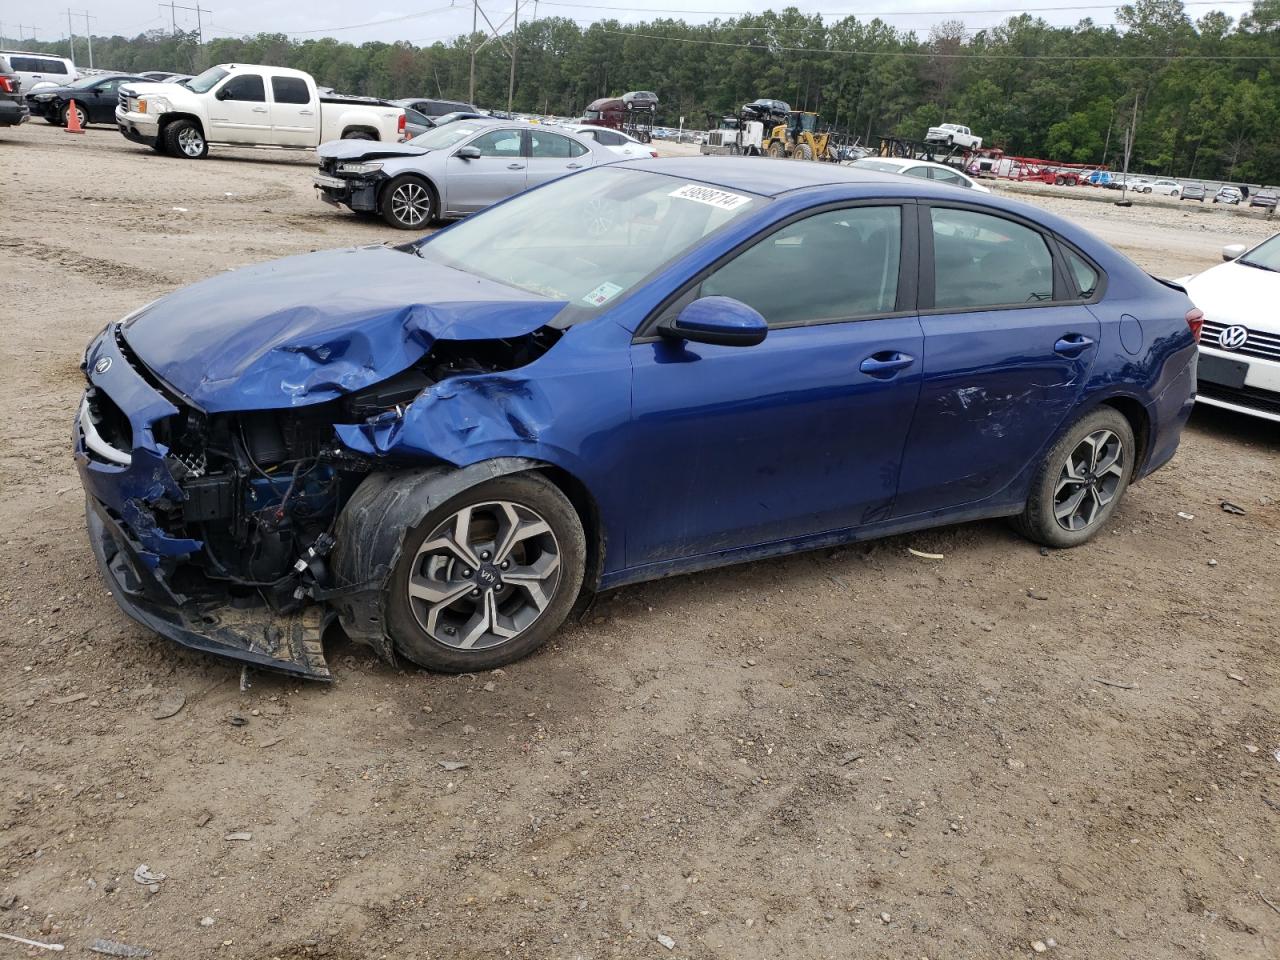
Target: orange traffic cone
(73, 119)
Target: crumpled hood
(1233, 293)
(366, 149)
(311, 328)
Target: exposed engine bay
(262, 490)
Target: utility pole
(471, 89)
(88, 30)
(197, 10)
(515, 45)
(71, 36)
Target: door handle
(305, 113)
(1072, 345)
(259, 109)
(574, 166)
(515, 166)
(886, 364)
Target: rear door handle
(305, 113)
(1072, 345)
(515, 166)
(259, 109)
(886, 364)
(573, 166)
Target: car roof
(764, 176)
(278, 71)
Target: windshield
(206, 81)
(84, 82)
(590, 237)
(447, 135)
(1265, 255)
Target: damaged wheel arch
(388, 506)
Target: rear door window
(553, 146)
(290, 90)
(981, 260)
(1086, 277)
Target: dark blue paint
(311, 328)
(696, 455)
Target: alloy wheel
(1089, 480)
(411, 204)
(484, 575)
(191, 142)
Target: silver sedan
(450, 171)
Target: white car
(1168, 188)
(38, 70)
(953, 133)
(620, 143)
(1239, 366)
(922, 169)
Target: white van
(38, 69)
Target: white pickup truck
(953, 133)
(248, 106)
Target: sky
(429, 20)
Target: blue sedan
(640, 370)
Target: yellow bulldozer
(798, 138)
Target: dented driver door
(1008, 346)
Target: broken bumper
(127, 486)
(292, 644)
(358, 193)
(138, 127)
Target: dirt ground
(847, 753)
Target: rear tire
(408, 203)
(356, 135)
(1078, 485)
(432, 630)
(777, 150)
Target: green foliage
(1207, 102)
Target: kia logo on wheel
(1233, 338)
(103, 365)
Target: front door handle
(515, 166)
(886, 364)
(573, 166)
(259, 109)
(1072, 345)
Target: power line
(930, 55)
(893, 13)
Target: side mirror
(1233, 251)
(468, 153)
(223, 94)
(719, 320)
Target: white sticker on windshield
(602, 294)
(710, 196)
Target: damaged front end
(214, 526)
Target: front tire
(184, 138)
(408, 203)
(488, 576)
(1079, 483)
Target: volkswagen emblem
(1233, 338)
(103, 365)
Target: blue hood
(311, 328)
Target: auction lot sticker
(602, 294)
(710, 196)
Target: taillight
(6, 85)
(400, 124)
(1195, 320)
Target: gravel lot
(848, 753)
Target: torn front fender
(459, 420)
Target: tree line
(1205, 96)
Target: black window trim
(271, 90)
(908, 268)
(1065, 291)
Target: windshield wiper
(1258, 266)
